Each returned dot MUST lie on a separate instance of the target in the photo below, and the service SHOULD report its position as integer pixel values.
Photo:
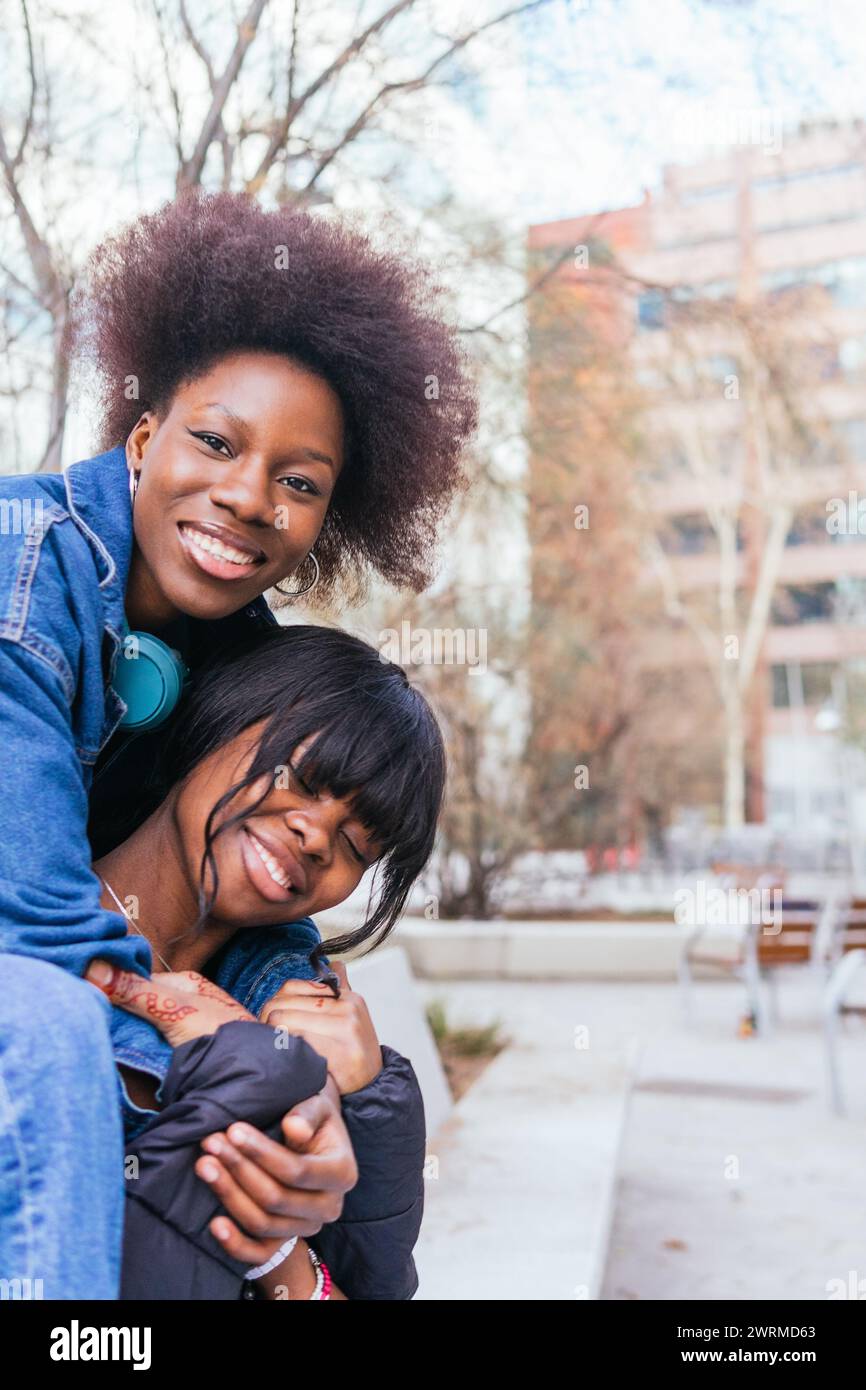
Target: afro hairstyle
(212, 273)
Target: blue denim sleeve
(49, 894)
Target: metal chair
(847, 967)
(748, 962)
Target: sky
(589, 100)
(572, 108)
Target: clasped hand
(269, 1190)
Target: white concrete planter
(548, 950)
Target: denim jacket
(64, 560)
(65, 550)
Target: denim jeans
(61, 1136)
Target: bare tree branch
(294, 106)
(412, 84)
(191, 170)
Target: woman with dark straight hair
(373, 730)
(299, 762)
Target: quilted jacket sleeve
(239, 1073)
(369, 1250)
(243, 1071)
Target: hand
(341, 1030)
(271, 1192)
(181, 1004)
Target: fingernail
(221, 1229)
(239, 1135)
(213, 1146)
(100, 973)
(209, 1171)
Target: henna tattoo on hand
(171, 1009)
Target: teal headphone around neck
(150, 678)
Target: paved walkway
(520, 1192)
(735, 1180)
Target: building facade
(772, 238)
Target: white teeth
(271, 864)
(215, 547)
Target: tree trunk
(735, 761)
(51, 458)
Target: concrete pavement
(733, 1179)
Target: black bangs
(367, 734)
(377, 751)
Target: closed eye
(356, 853)
(300, 781)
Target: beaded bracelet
(323, 1276)
(276, 1259)
(324, 1283)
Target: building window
(690, 534)
(804, 603)
(841, 602)
(704, 194)
(809, 528)
(783, 180)
(812, 681)
(850, 602)
(651, 309)
(844, 280)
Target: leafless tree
(275, 103)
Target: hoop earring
(133, 485)
(296, 593)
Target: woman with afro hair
(282, 406)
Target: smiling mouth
(273, 878)
(218, 557)
(280, 877)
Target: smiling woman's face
(298, 850)
(234, 484)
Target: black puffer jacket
(249, 1071)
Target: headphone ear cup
(149, 678)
